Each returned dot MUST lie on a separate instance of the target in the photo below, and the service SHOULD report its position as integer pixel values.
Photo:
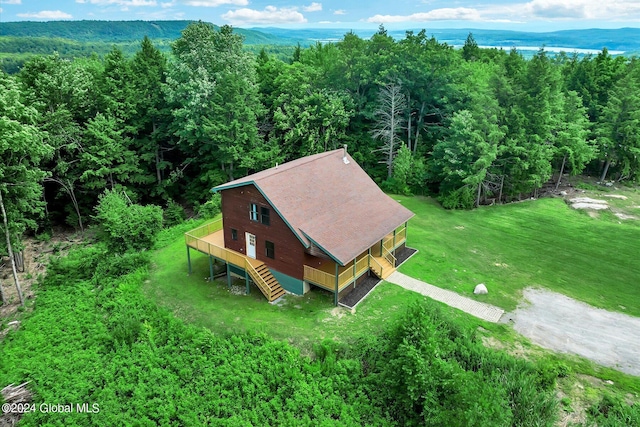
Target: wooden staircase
(265, 281)
(387, 268)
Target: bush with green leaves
(173, 214)
(462, 198)
(211, 207)
(428, 371)
(126, 226)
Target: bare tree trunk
(68, 187)
(392, 137)
(76, 206)
(418, 123)
(564, 161)
(501, 186)
(478, 195)
(10, 249)
(605, 170)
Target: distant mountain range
(624, 40)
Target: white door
(251, 245)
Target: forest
(83, 139)
(469, 125)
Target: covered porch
(379, 258)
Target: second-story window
(253, 212)
(264, 216)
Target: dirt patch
(35, 258)
(14, 395)
(336, 313)
(557, 322)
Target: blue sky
(525, 15)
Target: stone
(563, 193)
(616, 196)
(481, 289)
(588, 203)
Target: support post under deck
(210, 268)
(228, 276)
(336, 293)
(189, 259)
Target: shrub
(173, 214)
(462, 198)
(211, 207)
(127, 226)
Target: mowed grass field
(300, 320)
(535, 243)
(509, 247)
(541, 243)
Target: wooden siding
(290, 255)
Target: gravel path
(468, 305)
(562, 324)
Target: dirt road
(559, 323)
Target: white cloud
(168, 4)
(46, 14)
(583, 9)
(12, 1)
(215, 3)
(125, 3)
(270, 15)
(444, 14)
(339, 12)
(313, 7)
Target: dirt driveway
(559, 323)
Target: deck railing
(389, 257)
(194, 239)
(375, 264)
(328, 280)
(319, 277)
(401, 235)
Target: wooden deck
(209, 239)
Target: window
(264, 216)
(270, 249)
(253, 212)
(234, 234)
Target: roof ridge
(301, 162)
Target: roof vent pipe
(344, 154)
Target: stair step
(276, 295)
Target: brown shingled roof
(329, 202)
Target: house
(316, 221)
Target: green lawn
(534, 243)
(538, 243)
(300, 320)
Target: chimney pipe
(344, 154)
